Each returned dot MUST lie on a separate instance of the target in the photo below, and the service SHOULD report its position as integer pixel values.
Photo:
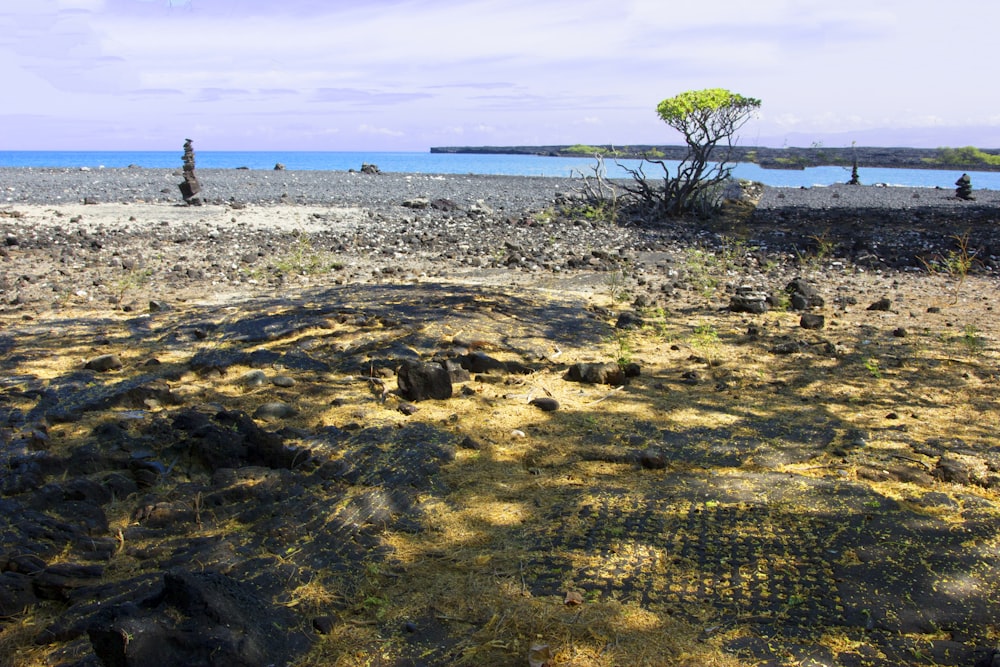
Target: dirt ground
(759, 494)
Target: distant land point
(969, 158)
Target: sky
(405, 75)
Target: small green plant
(732, 251)
(873, 368)
(704, 336)
(658, 321)
(956, 263)
(824, 246)
(705, 340)
(615, 282)
(622, 343)
(602, 210)
(702, 267)
(782, 301)
(132, 280)
(303, 259)
(972, 340)
(822, 249)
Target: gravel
(488, 222)
(844, 196)
(328, 188)
(340, 188)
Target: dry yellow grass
(463, 575)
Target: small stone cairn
(963, 189)
(855, 179)
(190, 188)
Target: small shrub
(956, 263)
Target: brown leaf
(573, 598)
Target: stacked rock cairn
(190, 188)
(964, 188)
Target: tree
(708, 119)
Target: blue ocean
(446, 163)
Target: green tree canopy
(706, 118)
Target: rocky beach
(337, 418)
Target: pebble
(283, 381)
(104, 363)
(545, 403)
(274, 410)
(255, 378)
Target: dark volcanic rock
(104, 363)
(607, 373)
(812, 321)
(882, 304)
(198, 618)
(545, 403)
(748, 300)
(804, 294)
(478, 362)
(233, 440)
(16, 594)
(419, 381)
(629, 320)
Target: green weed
(303, 259)
(622, 344)
(972, 340)
(615, 282)
(132, 280)
(956, 263)
(702, 269)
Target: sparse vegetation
(720, 509)
(132, 280)
(584, 149)
(701, 266)
(304, 259)
(615, 282)
(955, 263)
(708, 120)
(965, 157)
(622, 348)
(973, 340)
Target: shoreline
(789, 157)
(34, 185)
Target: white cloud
(516, 68)
(365, 128)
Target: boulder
(104, 363)
(804, 295)
(748, 300)
(16, 594)
(478, 362)
(606, 373)
(545, 403)
(197, 618)
(419, 380)
(417, 203)
(812, 321)
(882, 304)
(629, 320)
